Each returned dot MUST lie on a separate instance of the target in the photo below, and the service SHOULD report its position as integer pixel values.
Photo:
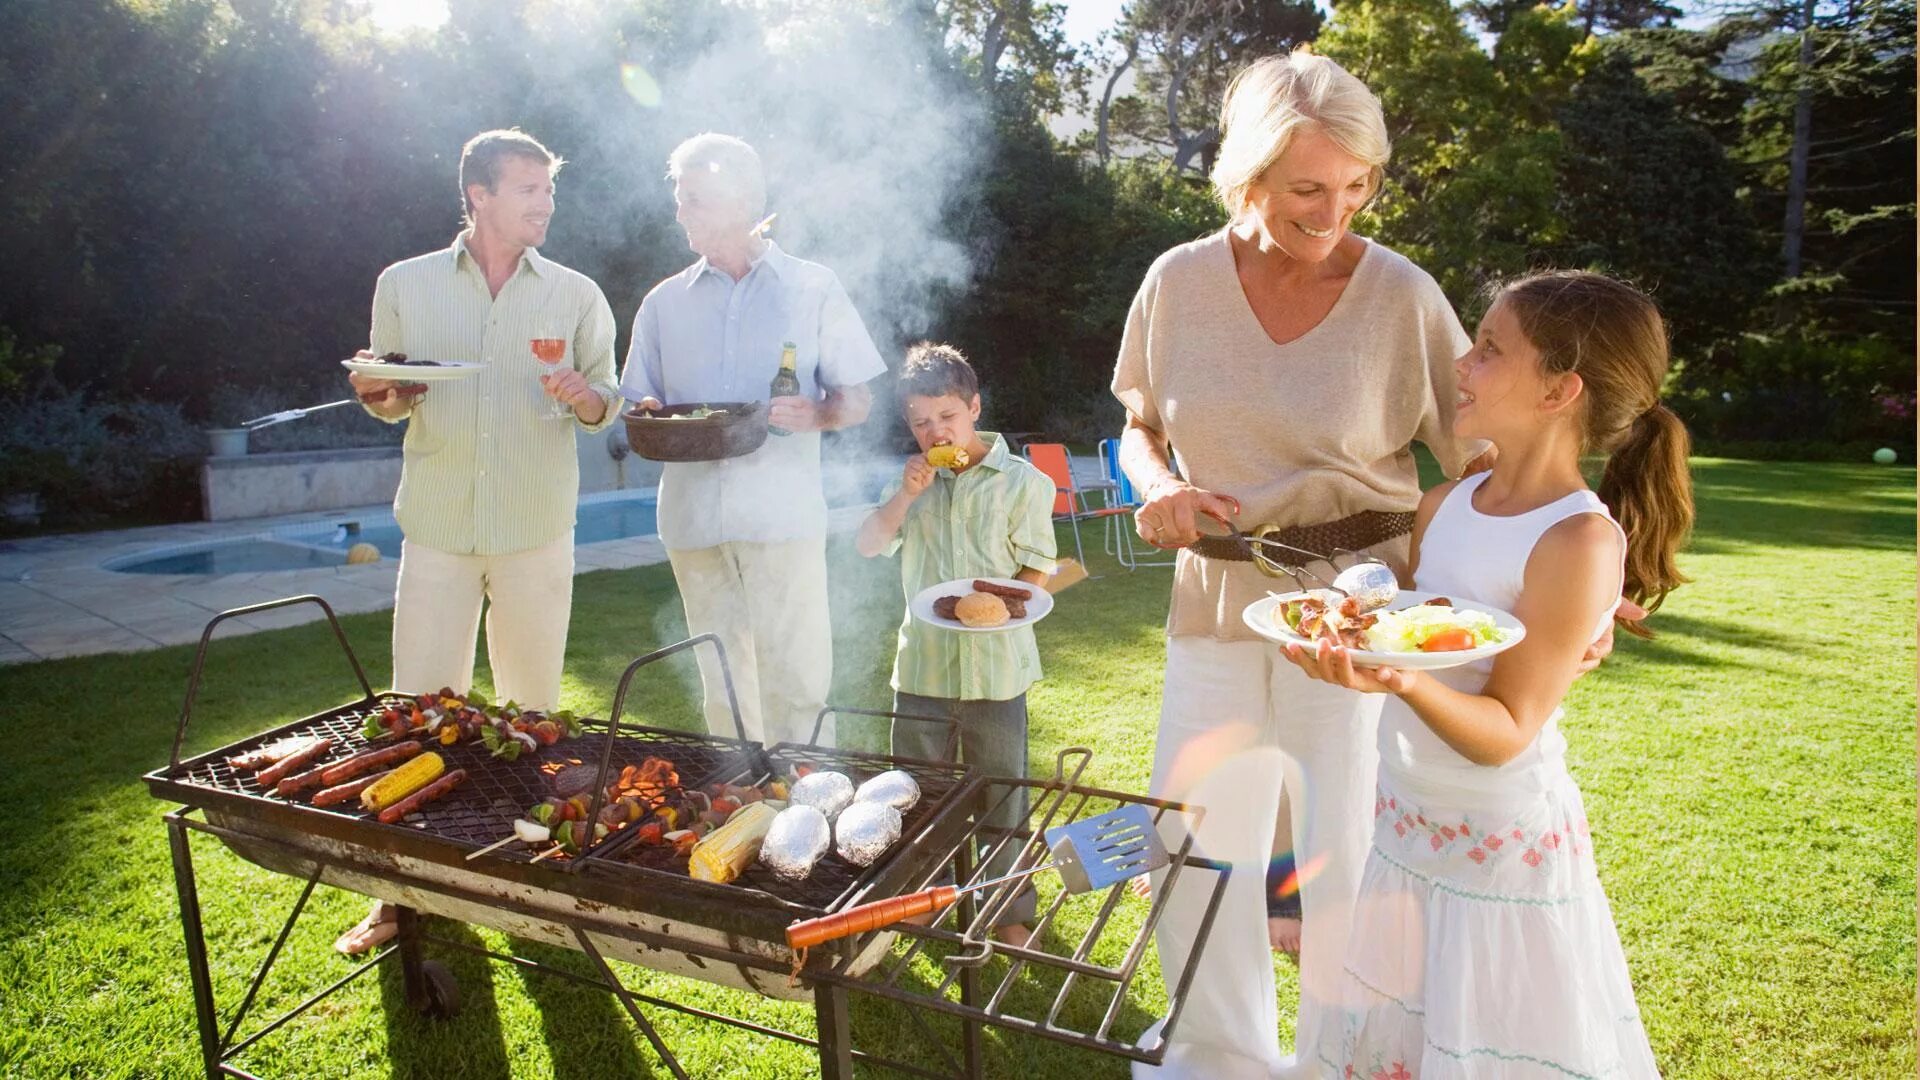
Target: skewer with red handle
(807, 933)
(858, 920)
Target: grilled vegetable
(403, 781)
(731, 848)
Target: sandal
(378, 928)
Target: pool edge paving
(58, 601)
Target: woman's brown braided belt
(1354, 532)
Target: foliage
(1680, 230)
(23, 367)
(1800, 387)
(1022, 41)
(205, 189)
(1042, 329)
(1188, 51)
(1858, 247)
(89, 459)
(1471, 189)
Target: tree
(1470, 191)
(1829, 138)
(1649, 194)
(1187, 52)
(1021, 40)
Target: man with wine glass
(747, 535)
(489, 479)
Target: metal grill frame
(831, 975)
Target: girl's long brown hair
(1612, 336)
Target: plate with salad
(1418, 631)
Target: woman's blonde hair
(1270, 101)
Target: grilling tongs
(1096, 853)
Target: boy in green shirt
(989, 517)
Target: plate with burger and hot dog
(1417, 631)
(981, 605)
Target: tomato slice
(1451, 640)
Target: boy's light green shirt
(485, 470)
(990, 521)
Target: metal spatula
(1096, 853)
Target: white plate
(445, 369)
(921, 606)
(1259, 617)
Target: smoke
(866, 137)
(870, 140)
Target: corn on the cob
(403, 781)
(947, 456)
(727, 852)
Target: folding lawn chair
(1070, 499)
(1119, 532)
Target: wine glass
(551, 352)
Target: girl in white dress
(1483, 945)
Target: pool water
(326, 545)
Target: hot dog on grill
(384, 757)
(1004, 592)
(422, 797)
(299, 782)
(266, 755)
(280, 770)
(347, 792)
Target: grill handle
(206, 636)
(619, 709)
(859, 920)
(951, 724)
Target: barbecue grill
(625, 900)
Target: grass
(1750, 776)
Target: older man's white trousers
(767, 603)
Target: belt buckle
(1261, 559)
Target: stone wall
(262, 485)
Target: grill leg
(203, 1005)
(970, 976)
(836, 1039)
(619, 990)
(412, 977)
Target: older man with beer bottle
(747, 536)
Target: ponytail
(1612, 336)
(1649, 490)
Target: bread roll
(981, 609)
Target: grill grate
(482, 810)
(833, 879)
(496, 792)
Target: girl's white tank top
(1468, 555)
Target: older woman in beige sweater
(1290, 364)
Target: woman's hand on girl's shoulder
(1329, 663)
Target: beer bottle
(786, 383)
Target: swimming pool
(609, 516)
(602, 516)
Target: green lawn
(1750, 776)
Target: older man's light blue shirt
(702, 336)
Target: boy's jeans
(993, 739)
